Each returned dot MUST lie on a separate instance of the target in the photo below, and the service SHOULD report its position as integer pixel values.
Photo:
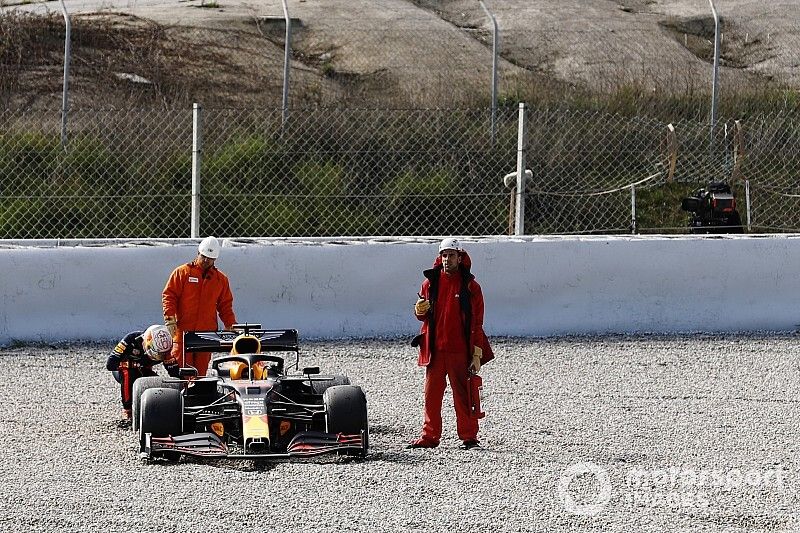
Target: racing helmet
(450, 244)
(209, 247)
(157, 342)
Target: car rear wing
(272, 340)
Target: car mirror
(187, 373)
(311, 370)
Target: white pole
(197, 148)
(519, 215)
(494, 67)
(715, 78)
(65, 92)
(747, 198)
(287, 47)
(633, 209)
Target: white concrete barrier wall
(358, 288)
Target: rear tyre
(346, 412)
(162, 415)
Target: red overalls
(449, 359)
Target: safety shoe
(470, 444)
(421, 443)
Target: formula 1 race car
(249, 406)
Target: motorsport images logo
(671, 487)
(589, 508)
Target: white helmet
(450, 244)
(157, 342)
(209, 247)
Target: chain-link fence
(603, 173)
(638, 171)
(119, 177)
(334, 172)
(340, 172)
(354, 172)
(769, 161)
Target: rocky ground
(690, 433)
(403, 52)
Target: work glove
(422, 307)
(172, 324)
(475, 365)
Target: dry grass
(122, 61)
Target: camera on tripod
(713, 210)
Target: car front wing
(304, 444)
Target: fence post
(715, 78)
(197, 148)
(738, 158)
(494, 66)
(747, 199)
(672, 152)
(67, 59)
(633, 209)
(522, 139)
(286, 55)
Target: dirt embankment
(392, 52)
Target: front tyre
(346, 412)
(161, 415)
(139, 387)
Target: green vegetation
(379, 169)
(382, 173)
(252, 186)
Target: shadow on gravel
(403, 457)
(381, 429)
(250, 465)
(240, 465)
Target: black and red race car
(249, 406)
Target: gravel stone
(646, 412)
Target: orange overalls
(196, 298)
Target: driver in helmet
(135, 355)
(244, 344)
